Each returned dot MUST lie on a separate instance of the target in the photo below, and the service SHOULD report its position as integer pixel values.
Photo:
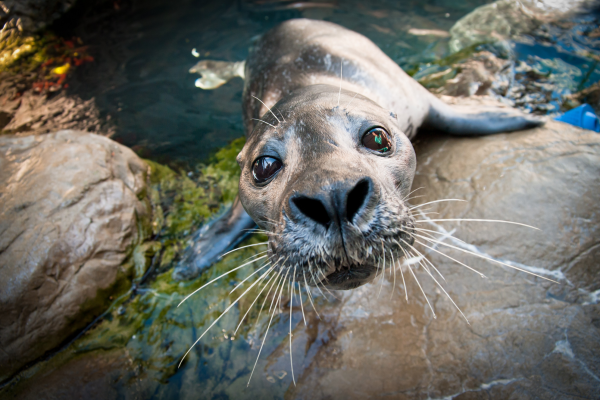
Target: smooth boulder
(505, 19)
(72, 207)
(526, 337)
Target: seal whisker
(314, 278)
(267, 109)
(394, 269)
(261, 231)
(422, 291)
(427, 261)
(444, 235)
(341, 80)
(280, 113)
(243, 247)
(428, 232)
(378, 263)
(424, 213)
(255, 300)
(383, 271)
(274, 284)
(268, 326)
(264, 122)
(282, 283)
(220, 316)
(436, 201)
(300, 300)
(446, 293)
(414, 197)
(405, 197)
(328, 291)
(266, 220)
(219, 277)
(250, 276)
(456, 261)
(477, 220)
(485, 258)
(291, 288)
(402, 274)
(350, 102)
(309, 295)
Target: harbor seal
(328, 163)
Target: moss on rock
(182, 202)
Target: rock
(32, 15)
(590, 95)
(34, 114)
(527, 337)
(504, 19)
(88, 376)
(482, 74)
(514, 83)
(73, 207)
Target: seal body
(301, 53)
(328, 164)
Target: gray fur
(326, 86)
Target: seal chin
(351, 277)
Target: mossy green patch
(181, 203)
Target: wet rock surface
(32, 113)
(73, 205)
(32, 15)
(527, 337)
(505, 19)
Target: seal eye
(264, 168)
(377, 139)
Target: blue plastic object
(582, 116)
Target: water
(143, 52)
(141, 85)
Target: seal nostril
(313, 209)
(356, 198)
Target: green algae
(436, 73)
(182, 203)
(14, 47)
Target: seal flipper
(214, 240)
(477, 120)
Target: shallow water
(143, 52)
(141, 84)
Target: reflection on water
(144, 51)
(142, 86)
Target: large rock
(71, 210)
(504, 19)
(527, 337)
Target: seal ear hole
(356, 198)
(377, 139)
(313, 209)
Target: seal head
(328, 179)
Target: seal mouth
(349, 277)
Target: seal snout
(341, 204)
